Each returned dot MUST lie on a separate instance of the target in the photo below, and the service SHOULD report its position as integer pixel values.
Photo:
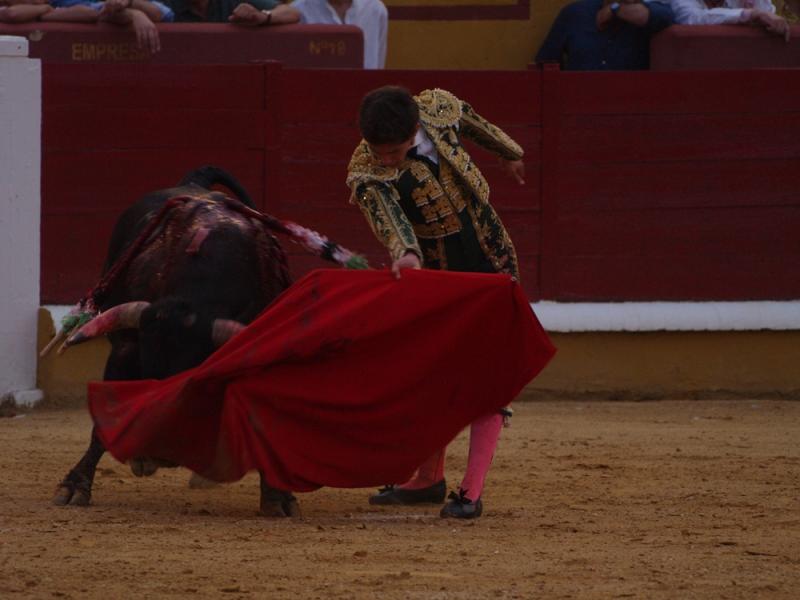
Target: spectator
(601, 35)
(22, 11)
(140, 15)
(369, 15)
(245, 13)
(760, 13)
(222, 11)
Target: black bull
(186, 268)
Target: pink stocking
(430, 472)
(483, 435)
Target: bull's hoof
(67, 493)
(143, 467)
(80, 498)
(285, 507)
(62, 496)
(198, 482)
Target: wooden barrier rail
(722, 48)
(317, 46)
(640, 186)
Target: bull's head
(172, 335)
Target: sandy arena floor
(586, 500)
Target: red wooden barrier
(114, 132)
(640, 186)
(722, 47)
(320, 46)
(675, 186)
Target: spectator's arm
(554, 44)
(15, 2)
(695, 12)
(23, 13)
(383, 35)
(654, 15)
(248, 15)
(77, 13)
(157, 12)
(143, 27)
(771, 22)
(636, 14)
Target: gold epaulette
(438, 108)
(363, 168)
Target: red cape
(349, 379)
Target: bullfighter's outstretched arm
(495, 140)
(488, 136)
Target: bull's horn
(122, 316)
(224, 329)
(58, 338)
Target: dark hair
(388, 115)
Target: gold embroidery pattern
(488, 136)
(389, 223)
(363, 169)
(452, 187)
(437, 206)
(494, 239)
(445, 226)
(438, 108)
(452, 152)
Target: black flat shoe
(460, 507)
(394, 495)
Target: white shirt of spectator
(696, 12)
(370, 16)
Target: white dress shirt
(370, 16)
(424, 146)
(696, 12)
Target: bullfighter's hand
(408, 261)
(248, 15)
(515, 168)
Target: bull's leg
(76, 487)
(277, 503)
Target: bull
(187, 267)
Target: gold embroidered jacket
(435, 207)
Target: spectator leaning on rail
(140, 15)
(604, 35)
(369, 15)
(760, 13)
(222, 11)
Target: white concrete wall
(20, 212)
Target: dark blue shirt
(575, 42)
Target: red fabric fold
(349, 379)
